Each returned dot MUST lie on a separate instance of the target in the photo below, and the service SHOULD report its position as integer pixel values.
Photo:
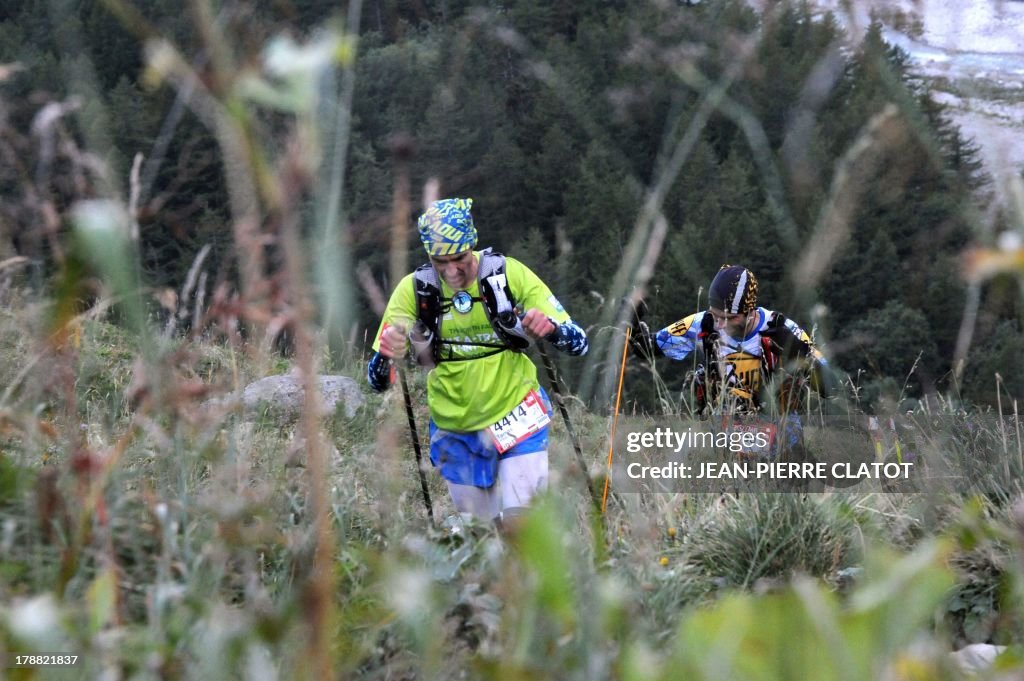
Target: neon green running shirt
(469, 395)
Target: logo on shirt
(462, 302)
(743, 370)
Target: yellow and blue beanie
(446, 228)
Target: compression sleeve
(678, 340)
(569, 338)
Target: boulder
(283, 396)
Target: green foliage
(105, 364)
(209, 530)
(600, 210)
(895, 340)
(973, 607)
(770, 536)
(12, 478)
(804, 631)
(996, 368)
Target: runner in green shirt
(470, 315)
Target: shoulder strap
(500, 302)
(769, 354)
(428, 305)
(775, 319)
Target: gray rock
(282, 395)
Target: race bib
(525, 419)
(756, 438)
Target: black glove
(784, 342)
(640, 338)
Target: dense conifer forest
(561, 120)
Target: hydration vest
(498, 301)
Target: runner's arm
(537, 300)
(793, 343)
(391, 340)
(569, 338)
(678, 340)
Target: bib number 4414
(525, 419)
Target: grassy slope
(193, 558)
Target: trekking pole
(615, 422)
(553, 379)
(416, 446)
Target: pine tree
(896, 342)
(996, 353)
(600, 211)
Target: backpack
(496, 296)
